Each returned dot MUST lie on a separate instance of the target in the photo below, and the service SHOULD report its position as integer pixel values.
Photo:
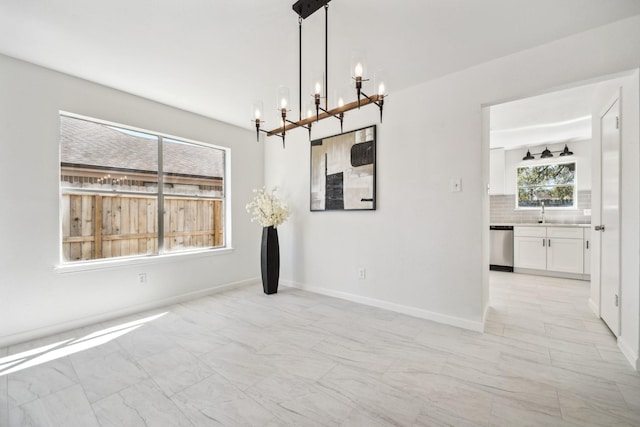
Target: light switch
(456, 185)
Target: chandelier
(316, 111)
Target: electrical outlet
(142, 278)
(362, 273)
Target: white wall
(496, 171)
(424, 247)
(34, 297)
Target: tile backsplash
(502, 211)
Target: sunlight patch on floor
(47, 353)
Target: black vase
(270, 260)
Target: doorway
(603, 86)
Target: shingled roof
(85, 143)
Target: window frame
(161, 254)
(545, 162)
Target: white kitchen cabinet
(565, 251)
(552, 249)
(529, 252)
(529, 247)
(587, 251)
(565, 255)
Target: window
(128, 193)
(553, 184)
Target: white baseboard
(560, 274)
(21, 337)
(398, 308)
(629, 353)
(594, 307)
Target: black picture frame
(343, 171)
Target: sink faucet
(542, 212)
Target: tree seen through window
(553, 184)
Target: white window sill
(135, 261)
(547, 209)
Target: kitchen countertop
(553, 224)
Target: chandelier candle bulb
(379, 80)
(309, 114)
(283, 103)
(341, 93)
(256, 109)
(283, 97)
(318, 94)
(256, 116)
(358, 70)
(358, 64)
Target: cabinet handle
(549, 242)
(544, 243)
(587, 244)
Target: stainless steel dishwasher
(501, 245)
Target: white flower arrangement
(267, 209)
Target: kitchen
(540, 184)
(571, 149)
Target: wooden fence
(98, 226)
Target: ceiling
(561, 116)
(214, 57)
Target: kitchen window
(554, 184)
(131, 193)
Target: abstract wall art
(343, 171)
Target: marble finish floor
(301, 359)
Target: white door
(610, 213)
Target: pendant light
(546, 153)
(566, 151)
